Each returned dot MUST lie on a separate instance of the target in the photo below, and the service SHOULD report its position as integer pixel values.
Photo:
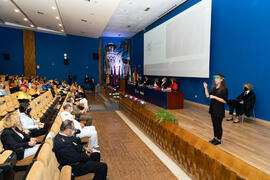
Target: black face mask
(28, 110)
(245, 88)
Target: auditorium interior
(134, 90)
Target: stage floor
(249, 141)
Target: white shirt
(27, 122)
(84, 102)
(68, 116)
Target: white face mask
(73, 132)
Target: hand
(32, 142)
(88, 149)
(205, 85)
(40, 125)
(82, 125)
(241, 102)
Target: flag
(114, 76)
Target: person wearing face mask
(15, 139)
(218, 96)
(85, 131)
(82, 159)
(243, 104)
(35, 127)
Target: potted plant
(164, 115)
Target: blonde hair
(11, 120)
(250, 87)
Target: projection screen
(180, 46)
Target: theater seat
(47, 162)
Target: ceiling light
(57, 17)
(32, 25)
(60, 25)
(147, 9)
(17, 10)
(25, 19)
(62, 30)
(54, 8)
(39, 12)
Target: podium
(122, 84)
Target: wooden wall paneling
(29, 53)
(99, 63)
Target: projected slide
(180, 46)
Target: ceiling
(90, 18)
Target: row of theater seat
(40, 109)
(46, 159)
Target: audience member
(16, 140)
(83, 160)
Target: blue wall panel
(11, 42)
(50, 51)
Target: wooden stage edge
(260, 121)
(199, 159)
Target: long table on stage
(167, 100)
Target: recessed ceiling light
(17, 10)
(147, 9)
(32, 25)
(25, 19)
(53, 7)
(62, 30)
(39, 12)
(57, 17)
(60, 25)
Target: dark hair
(66, 106)
(223, 85)
(67, 124)
(69, 100)
(23, 107)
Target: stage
(249, 141)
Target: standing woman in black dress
(218, 96)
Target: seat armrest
(7, 160)
(66, 173)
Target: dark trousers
(39, 132)
(93, 165)
(87, 86)
(234, 105)
(217, 126)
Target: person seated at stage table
(164, 83)
(147, 81)
(173, 86)
(156, 83)
(243, 104)
(139, 80)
